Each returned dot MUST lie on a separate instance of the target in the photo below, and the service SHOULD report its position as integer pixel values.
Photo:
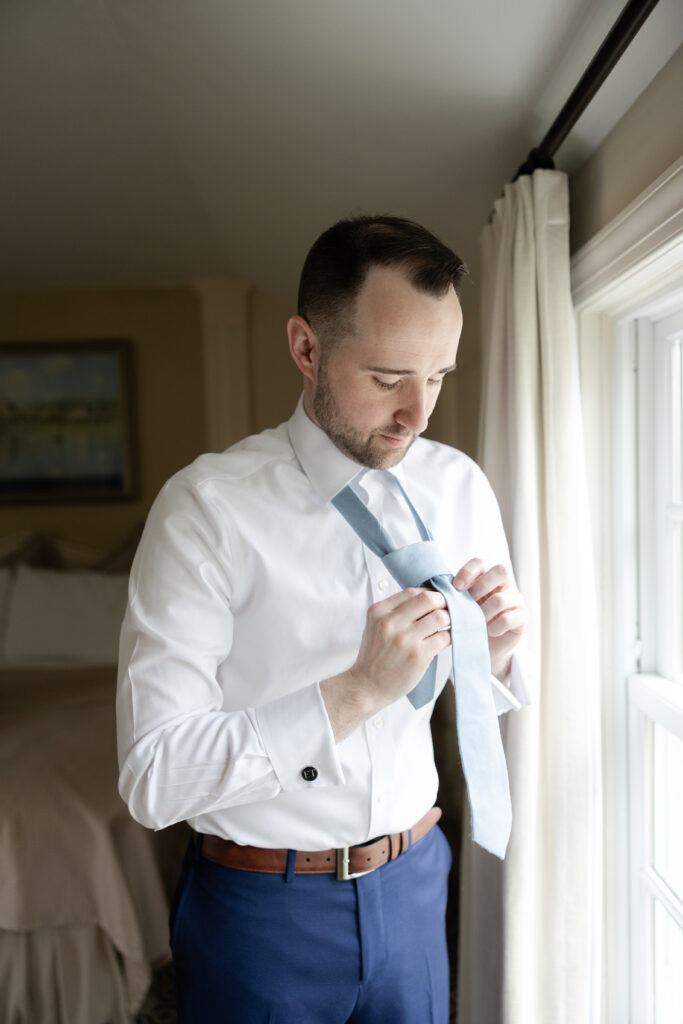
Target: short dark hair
(338, 263)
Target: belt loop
(291, 865)
(410, 839)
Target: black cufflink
(310, 774)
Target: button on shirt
(248, 588)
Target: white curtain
(529, 932)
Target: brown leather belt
(347, 862)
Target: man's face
(376, 389)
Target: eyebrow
(403, 373)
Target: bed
(84, 890)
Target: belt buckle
(343, 873)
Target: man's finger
(498, 602)
(510, 621)
(420, 605)
(489, 582)
(470, 571)
(438, 642)
(434, 622)
(405, 608)
(387, 605)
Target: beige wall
(647, 140)
(275, 380)
(459, 423)
(164, 327)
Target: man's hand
(503, 607)
(402, 634)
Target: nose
(415, 409)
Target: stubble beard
(363, 448)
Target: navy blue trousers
(253, 948)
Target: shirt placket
(378, 731)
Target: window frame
(653, 696)
(634, 552)
(624, 278)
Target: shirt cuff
(514, 694)
(298, 739)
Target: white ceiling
(159, 141)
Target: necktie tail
(479, 741)
(481, 748)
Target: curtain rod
(625, 28)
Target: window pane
(677, 420)
(666, 802)
(677, 602)
(668, 975)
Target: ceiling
(155, 142)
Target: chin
(393, 458)
(385, 459)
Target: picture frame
(67, 422)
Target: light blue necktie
(481, 749)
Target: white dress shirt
(247, 589)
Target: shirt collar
(327, 468)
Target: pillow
(65, 616)
(70, 554)
(11, 544)
(28, 549)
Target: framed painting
(67, 422)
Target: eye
(437, 382)
(386, 385)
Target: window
(655, 688)
(627, 284)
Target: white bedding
(82, 890)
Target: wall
(275, 380)
(647, 140)
(164, 327)
(459, 403)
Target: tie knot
(414, 564)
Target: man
(266, 656)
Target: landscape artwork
(66, 421)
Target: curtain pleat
(528, 948)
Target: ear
(304, 347)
